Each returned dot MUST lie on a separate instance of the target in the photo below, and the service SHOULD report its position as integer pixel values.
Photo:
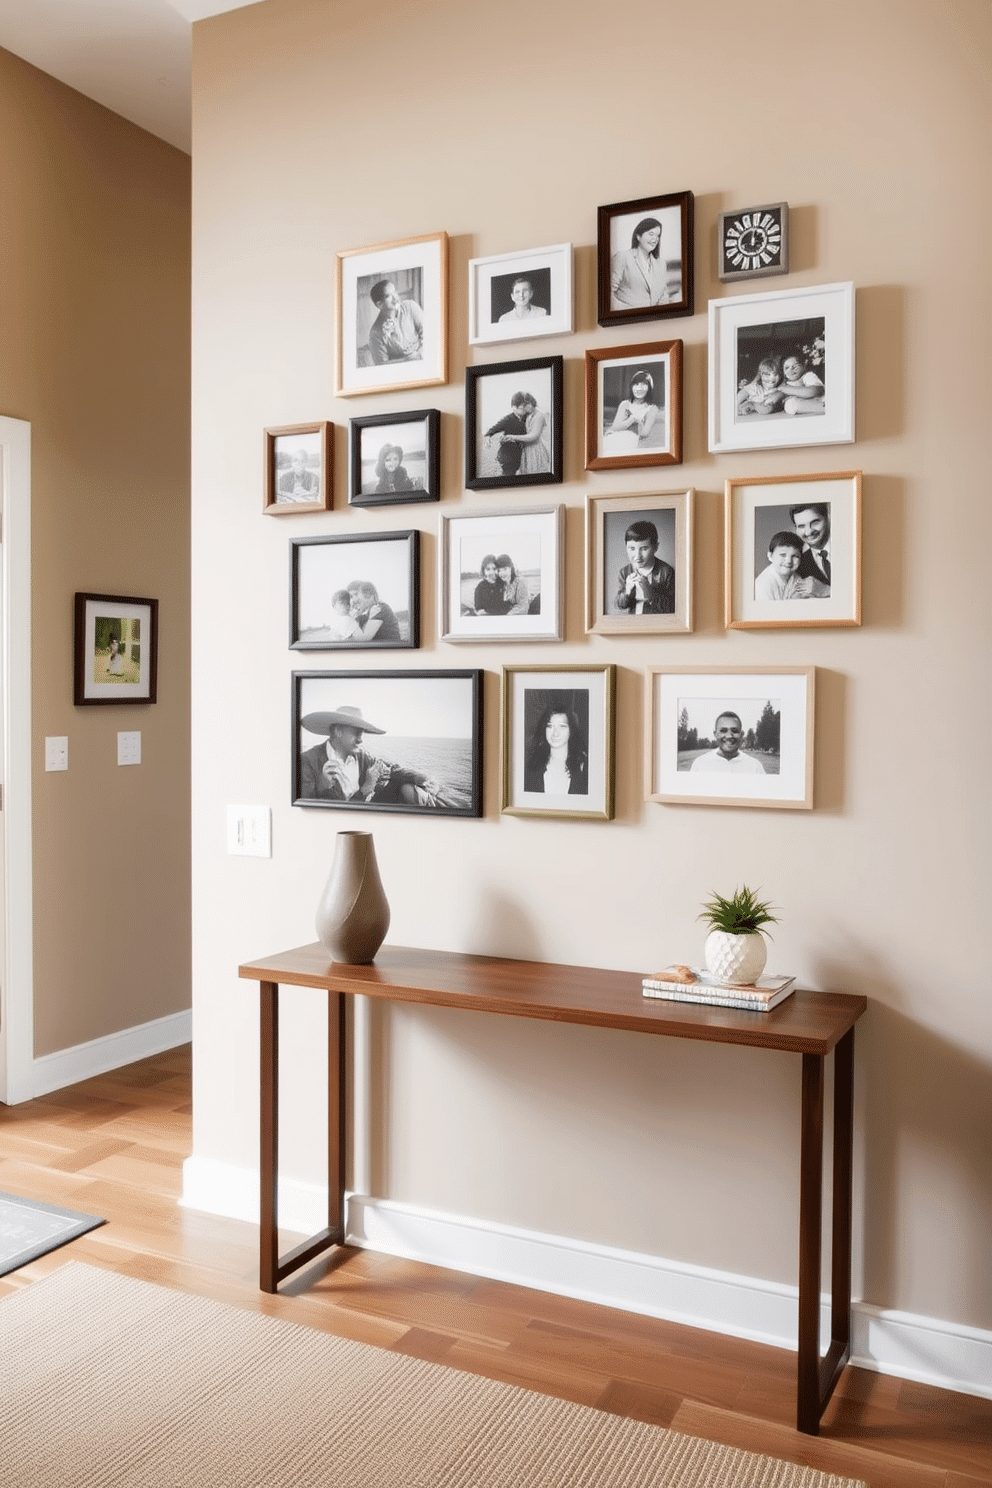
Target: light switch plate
(129, 748)
(249, 831)
(57, 752)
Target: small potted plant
(735, 947)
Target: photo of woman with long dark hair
(557, 761)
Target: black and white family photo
(513, 424)
(639, 573)
(354, 592)
(645, 258)
(781, 369)
(634, 404)
(391, 315)
(394, 458)
(501, 583)
(517, 296)
(501, 575)
(792, 557)
(729, 736)
(389, 741)
(558, 741)
(297, 468)
(556, 725)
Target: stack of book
(686, 984)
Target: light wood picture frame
(298, 466)
(391, 316)
(639, 563)
(558, 741)
(730, 736)
(793, 551)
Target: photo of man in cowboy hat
(341, 769)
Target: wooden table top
(805, 1023)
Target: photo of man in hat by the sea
(342, 770)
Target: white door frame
(17, 968)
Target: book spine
(714, 999)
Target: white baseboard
(83, 1061)
(935, 1353)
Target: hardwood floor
(115, 1145)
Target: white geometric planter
(735, 958)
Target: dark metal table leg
(810, 1236)
(268, 1172)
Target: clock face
(753, 242)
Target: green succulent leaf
(743, 914)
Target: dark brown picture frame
(104, 617)
(288, 506)
(611, 310)
(650, 353)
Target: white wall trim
(97, 1056)
(17, 969)
(949, 1355)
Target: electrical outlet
(57, 752)
(249, 831)
(129, 748)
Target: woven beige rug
(107, 1382)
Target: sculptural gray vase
(353, 914)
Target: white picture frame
(682, 736)
(371, 361)
(497, 312)
(813, 326)
(534, 540)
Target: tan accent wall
(318, 128)
(94, 352)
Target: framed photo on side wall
(513, 424)
(391, 314)
(793, 551)
(297, 462)
(730, 736)
(115, 649)
(639, 564)
(401, 742)
(394, 458)
(558, 727)
(516, 296)
(355, 592)
(634, 406)
(644, 259)
(781, 368)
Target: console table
(812, 1024)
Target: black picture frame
(441, 712)
(417, 436)
(105, 673)
(488, 393)
(626, 295)
(323, 568)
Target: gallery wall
(318, 129)
(94, 354)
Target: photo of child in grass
(116, 649)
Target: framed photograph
(558, 741)
(730, 736)
(644, 259)
(793, 551)
(753, 242)
(781, 368)
(634, 406)
(513, 424)
(516, 296)
(391, 312)
(115, 645)
(357, 592)
(297, 464)
(639, 564)
(502, 576)
(388, 741)
(395, 457)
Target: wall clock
(754, 242)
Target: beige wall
(94, 352)
(320, 127)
